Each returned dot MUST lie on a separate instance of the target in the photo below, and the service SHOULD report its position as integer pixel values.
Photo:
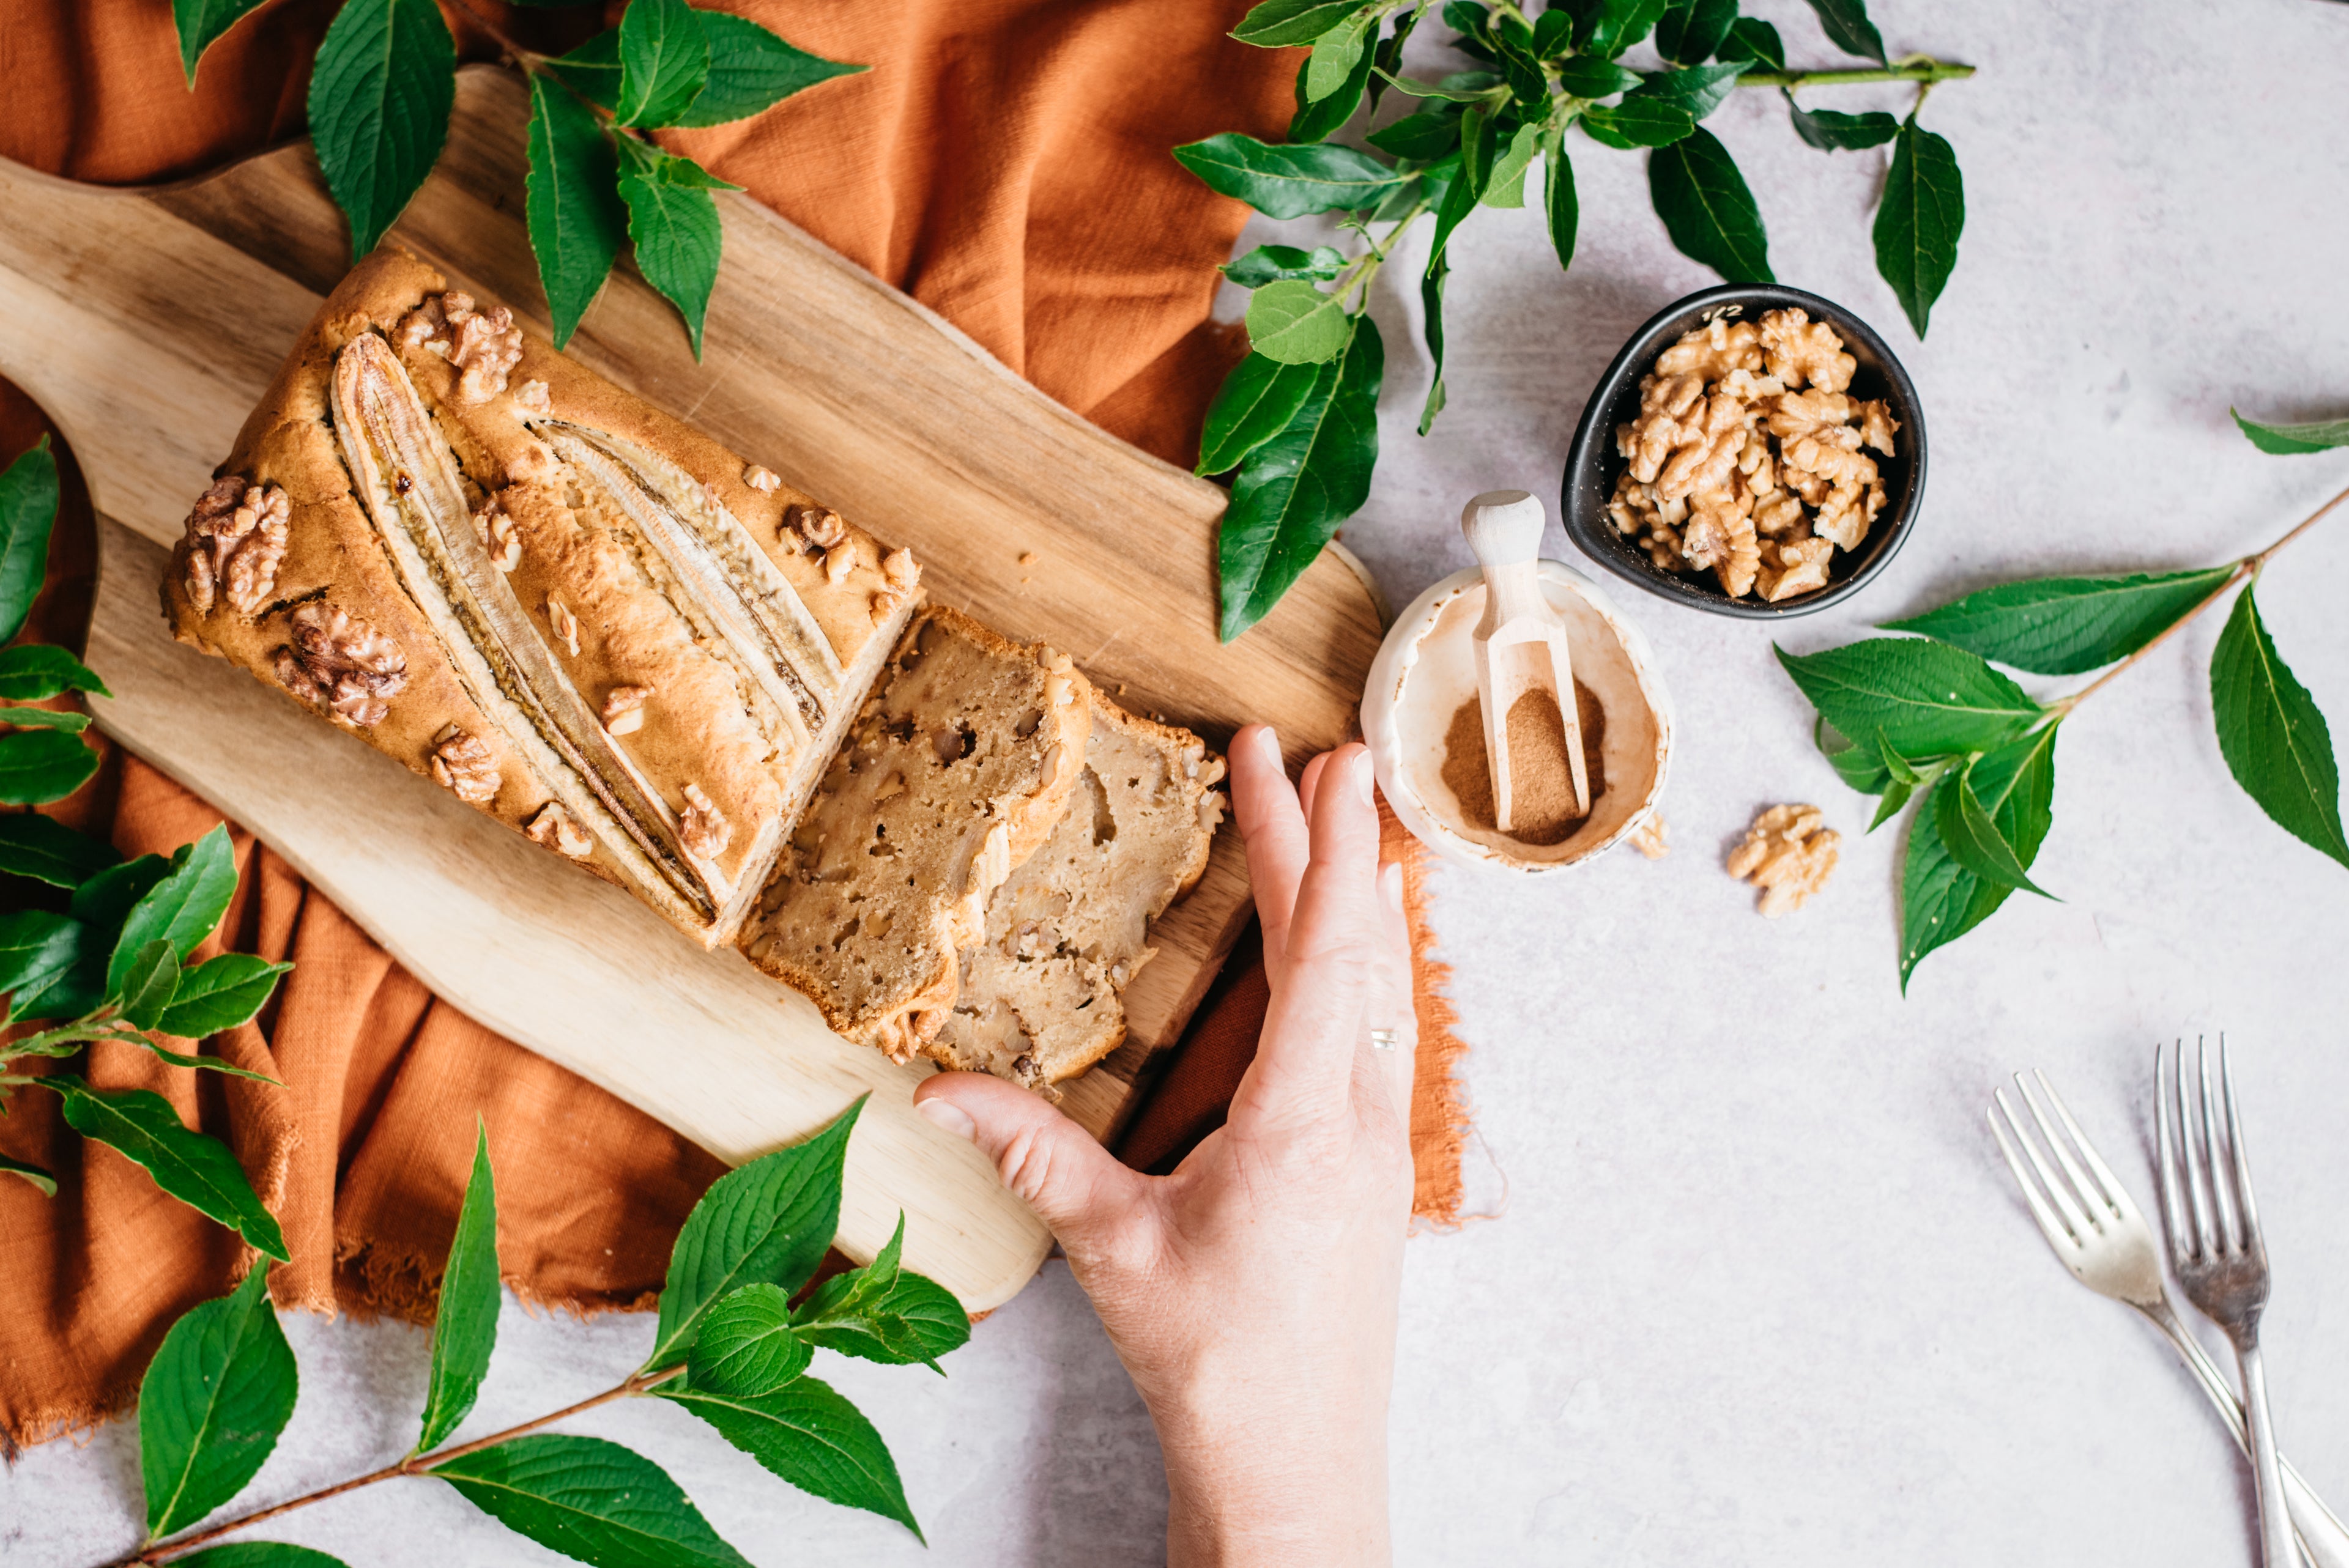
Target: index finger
(1273, 825)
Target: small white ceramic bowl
(1427, 668)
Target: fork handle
(2275, 1519)
(2323, 1540)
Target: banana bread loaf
(957, 768)
(1040, 994)
(573, 611)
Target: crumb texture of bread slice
(1040, 995)
(956, 769)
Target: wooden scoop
(1521, 642)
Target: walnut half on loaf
(573, 611)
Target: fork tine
(2250, 1214)
(2167, 1170)
(2083, 1190)
(2222, 1200)
(2193, 1173)
(2050, 1224)
(2114, 1192)
(2075, 1222)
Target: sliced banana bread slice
(955, 771)
(1041, 993)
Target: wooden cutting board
(147, 324)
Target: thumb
(1075, 1185)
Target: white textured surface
(1761, 1291)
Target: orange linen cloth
(1005, 162)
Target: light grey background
(1758, 1289)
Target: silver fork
(2220, 1263)
(2097, 1233)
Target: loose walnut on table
(1788, 855)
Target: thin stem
(1928, 71)
(414, 1464)
(2249, 566)
(522, 56)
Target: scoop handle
(1504, 528)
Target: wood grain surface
(147, 324)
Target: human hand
(1252, 1294)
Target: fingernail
(1391, 886)
(1361, 764)
(1268, 742)
(948, 1117)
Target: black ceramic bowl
(1594, 465)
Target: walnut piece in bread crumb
(1746, 457)
(1786, 854)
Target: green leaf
(1974, 841)
(1845, 23)
(1270, 263)
(1289, 180)
(38, 670)
(2290, 441)
(108, 897)
(1316, 119)
(767, 1222)
(1254, 404)
(577, 217)
(211, 1063)
(260, 1553)
(1896, 795)
(1294, 491)
(50, 853)
(1464, 86)
(220, 994)
(97, 910)
(673, 222)
(1559, 206)
(37, 766)
(592, 69)
(38, 1178)
(1294, 323)
(1480, 134)
(44, 718)
(1279, 23)
(1507, 185)
(880, 1313)
(1589, 77)
(1919, 222)
(149, 982)
(1925, 699)
(29, 510)
(220, 1390)
(465, 1327)
(2064, 625)
(2271, 735)
(1755, 41)
(199, 1171)
(1707, 210)
(1425, 137)
(751, 70)
(1617, 25)
(664, 60)
(184, 907)
(1387, 57)
(1862, 768)
(380, 92)
(201, 23)
(1700, 89)
(36, 948)
(745, 1347)
(1639, 122)
(589, 1499)
(67, 978)
(1689, 30)
(1334, 58)
(1940, 901)
(1431, 301)
(1461, 188)
(1832, 132)
(811, 1436)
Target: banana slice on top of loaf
(1041, 993)
(956, 769)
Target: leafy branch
(384, 81)
(113, 964)
(1927, 718)
(731, 1347)
(1294, 424)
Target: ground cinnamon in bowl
(1539, 773)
